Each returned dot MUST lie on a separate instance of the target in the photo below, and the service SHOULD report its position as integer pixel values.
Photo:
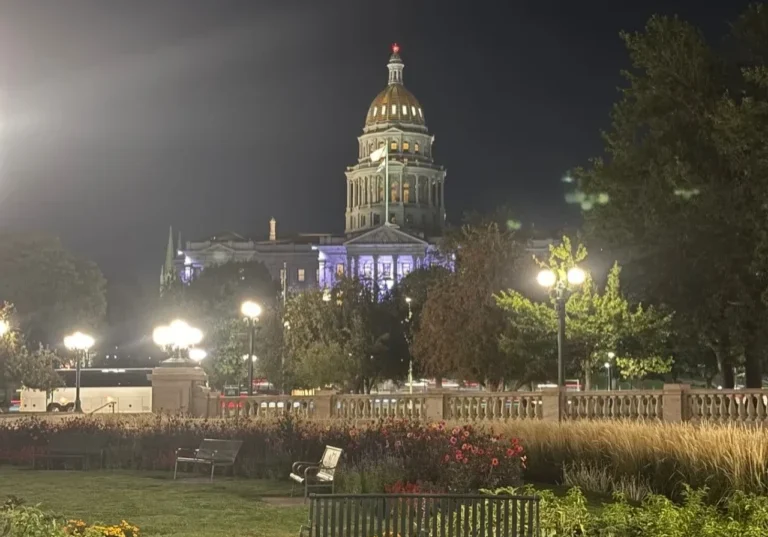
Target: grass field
(190, 507)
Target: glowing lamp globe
(197, 355)
(546, 278)
(576, 276)
(250, 309)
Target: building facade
(395, 209)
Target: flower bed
(461, 458)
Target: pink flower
(453, 440)
(459, 455)
(495, 462)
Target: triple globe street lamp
(179, 337)
(80, 344)
(251, 311)
(560, 284)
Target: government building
(395, 209)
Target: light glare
(576, 276)
(250, 309)
(546, 278)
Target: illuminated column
(394, 268)
(349, 194)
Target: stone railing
(727, 406)
(675, 403)
(632, 405)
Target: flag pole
(386, 182)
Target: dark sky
(119, 118)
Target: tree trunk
(724, 362)
(587, 376)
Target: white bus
(101, 390)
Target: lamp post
(287, 326)
(177, 336)
(251, 311)
(408, 301)
(560, 286)
(80, 344)
(611, 356)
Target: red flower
(453, 440)
(495, 462)
(459, 455)
(510, 452)
(480, 452)
(456, 431)
(466, 434)
(464, 447)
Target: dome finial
(395, 66)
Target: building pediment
(386, 234)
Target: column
(349, 194)
(416, 189)
(375, 271)
(394, 268)
(442, 194)
(400, 196)
(349, 264)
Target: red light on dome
(395, 48)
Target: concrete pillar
(173, 388)
(552, 404)
(376, 275)
(349, 194)
(394, 268)
(416, 188)
(435, 403)
(442, 194)
(675, 403)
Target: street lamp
(177, 336)
(560, 287)
(408, 301)
(611, 356)
(197, 354)
(251, 311)
(80, 344)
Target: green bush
(743, 515)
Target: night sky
(118, 119)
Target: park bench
(421, 515)
(316, 474)
(212, 452)
(73, 446)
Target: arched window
(420, 114)
(380, 189)
(383, 110)
(415, 147)
(405, 110)
(413, 110)
(406, 145)
(393, 145)
(394, 191)
(375, 109)
(394, 109)
(406, 192)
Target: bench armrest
(297, 466)
(182, 450)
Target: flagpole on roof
(386, 182)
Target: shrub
(665, 457)
(657, 516)
(375, 454)
(600, 479)
(19, 520)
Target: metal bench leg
(213, 467)
(175, 468)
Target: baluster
(762, 400)
(734, 407)
(722, 408)
(751, 407)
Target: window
(339, 269)
(383, 110)
(406, 268)
(386, 268)
(392, 219)
(393, 146)
(406, 145)
(394, 109)
(420, 114)
(395, 189)
(413, 110)
(362, 221)
(300, 274)
(416, 147)
(405, 110)
(367, 270)
(376, 219)
(375, 109)
(406, 193)
(317, 275)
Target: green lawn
(189, 507)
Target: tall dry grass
(722, 458)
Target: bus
(101, 390)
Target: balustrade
(379, 406)
(731, 406)
(613, 405)
(265, 406)
(501, 406)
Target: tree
(212, 303)
(344, 336)
(19, 366)
(460, 323)
(681, 192)
(53, 291)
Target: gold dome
(395, 104)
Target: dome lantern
(395, 105)
(395, 66)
